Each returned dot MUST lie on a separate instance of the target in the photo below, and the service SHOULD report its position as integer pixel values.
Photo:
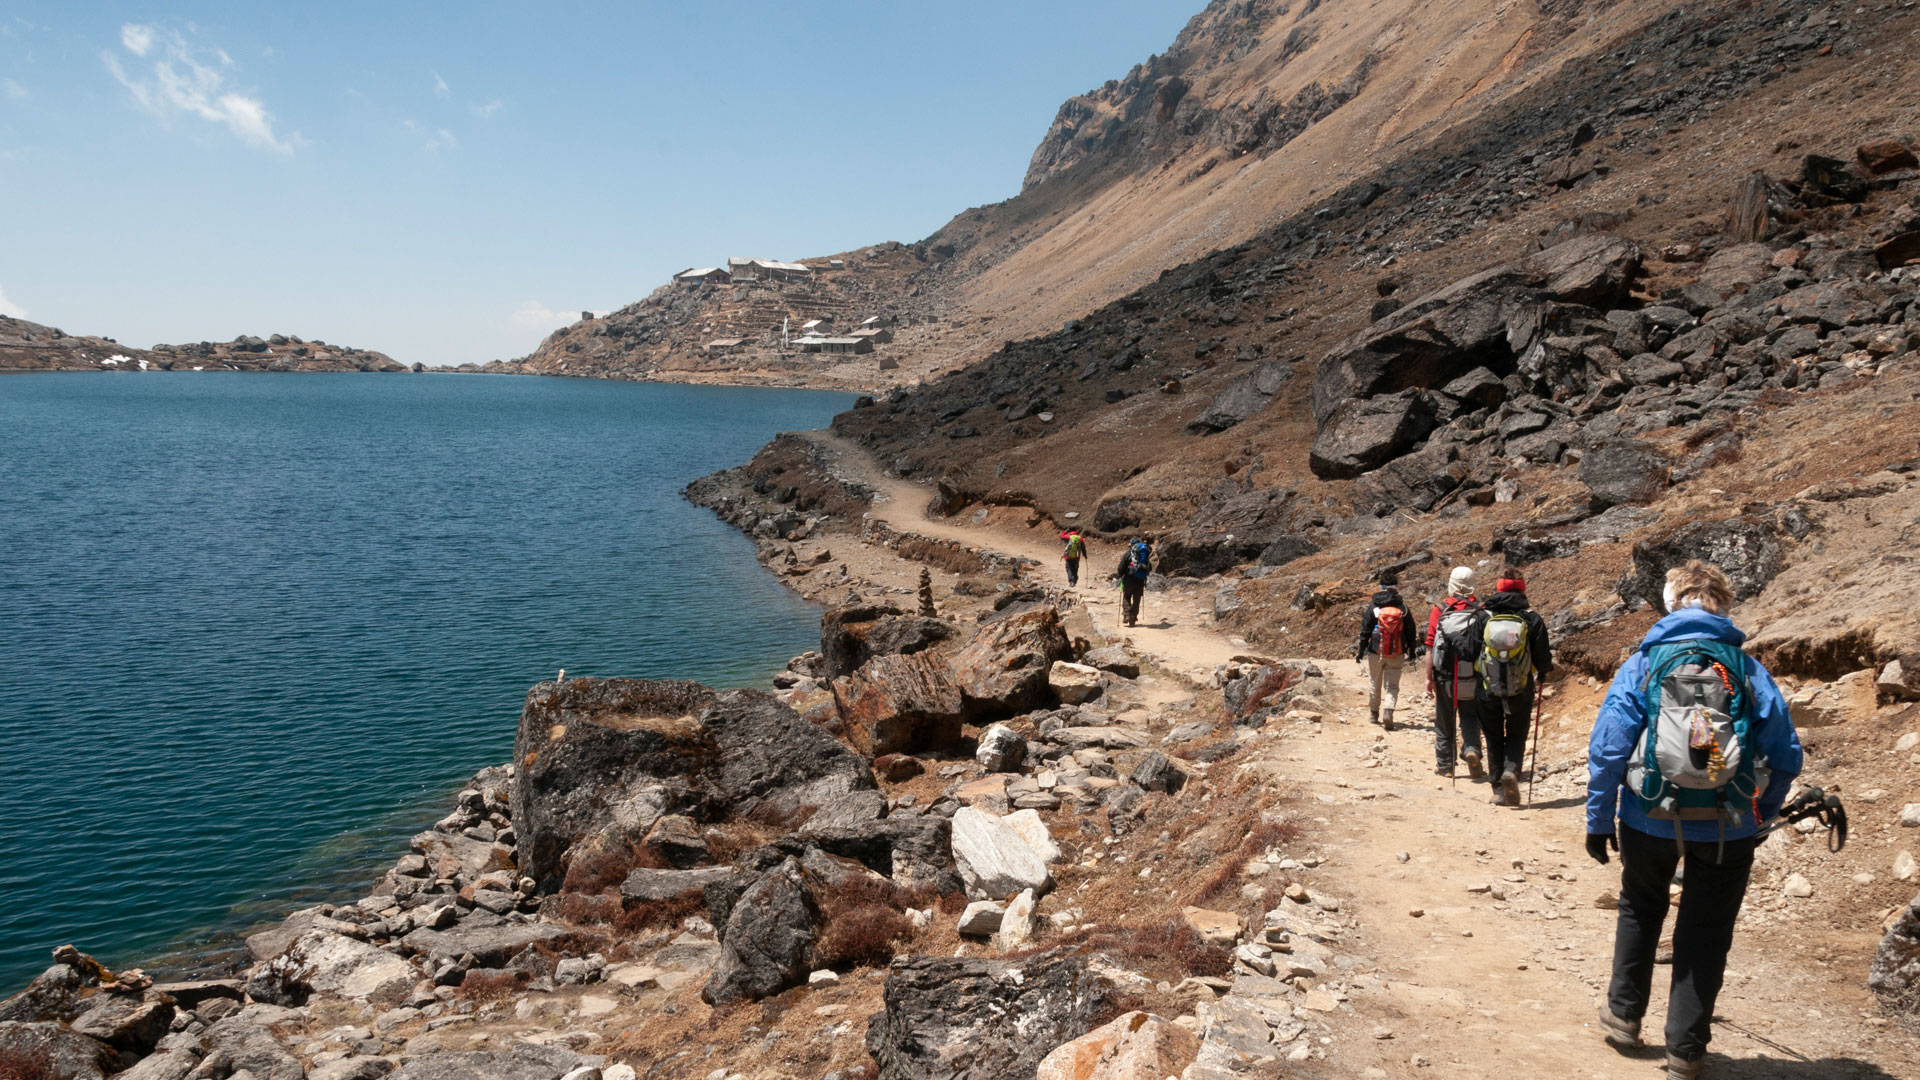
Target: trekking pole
(1539, 699)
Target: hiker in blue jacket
(1718, 851)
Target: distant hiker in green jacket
(1075, 551)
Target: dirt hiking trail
(1489, 926)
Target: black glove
(1597, 844)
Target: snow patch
(115, 359)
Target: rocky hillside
(26, 346)
(1259, 108)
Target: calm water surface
(255, 628)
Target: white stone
(595, 1005)
(993, 859)
(1910, 815)
(585, 1072)
(982, 918)
(351, 969)
(823, 977)
(632, 976)
(1798, 886)
(1906, 742)
(1016, 924)
(1075, 683)
(619, 1072)
(1035, 832)
(1903, 866)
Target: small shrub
(606, 909)
(22, 1064)
(1175, 945)
(482, 985)
(605, 867)
(863, 936)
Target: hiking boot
(1509, 789)
(1386, 719)
(1679, 1068)
(1618, 1030)
(1472, 758)
(1443, 770)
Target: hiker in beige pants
(1386, 640)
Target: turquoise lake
(255, 629)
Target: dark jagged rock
(1265, 686)
(1624, 471)
(900, 704)
(1749, 549)
(1242, 398)
(1365, 434)
(1156, 773)
(963, 1019)
(772, 763)
(1480, 321)
(852, 635)
(1416, 481)
(1233, 526)
(1002, 670)
(915, 852)
(768, 943)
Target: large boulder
(646, 885)
(128, 1022)
(582, 744)
(1485, 320)
(1416, 481)
(1242, 398)
(324, 962)
(964, 1019)
(913, 851)
(1365, 434)
(1624, 471)
(856, 633)
(623, 753)
(994, 860)
(1075, 684)
(767, 945)
(1895, 973)
(490, 943)
(53, 995)
(253, 1048)
(1236, 525)
(900, 704)
(61, 1053)
(1749, 549)
(1137, 1046)
(1002, 670)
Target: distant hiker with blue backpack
(1075, 551)
(1700, 737)
(1514, 656)
(1452, 649)
(1136, 566)
(1386, 641)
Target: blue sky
(447, 183)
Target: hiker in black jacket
(1505, 709)
(1386, 641)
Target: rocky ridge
(26, 346)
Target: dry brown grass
(600, 868)
(865, 921)
(27, 1065)
(606, 909)
(484, 985)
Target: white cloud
(9, 308)
(485, 112)
(181, 83)
(440, 88)
(442, 139)
(15, 92)
(534, 315)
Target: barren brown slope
(1258, 109)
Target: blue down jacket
(1618, 728)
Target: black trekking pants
(1702, 934)
(1130, 594)
(1073, 571)
(1444, 718)
(1505, 720)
